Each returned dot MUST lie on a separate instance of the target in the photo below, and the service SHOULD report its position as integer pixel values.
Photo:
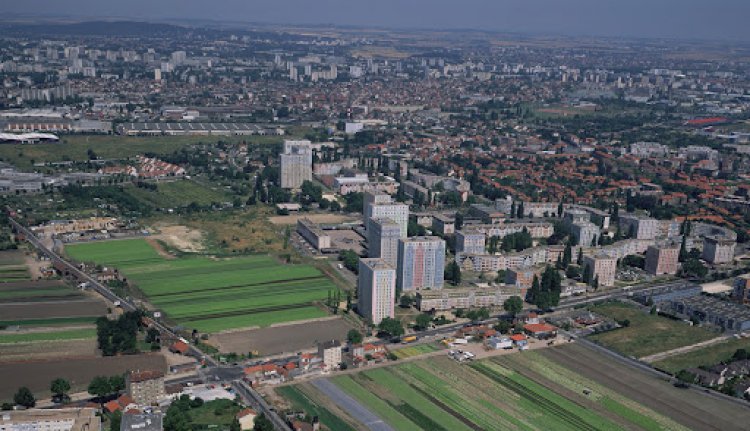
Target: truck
(409, 339)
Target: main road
(212, 366)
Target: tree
(423, 321)
(262, 423)
(406, 301)
(60, 388)
(351, 260)
(513, 305)
(354, 336)
(115, 420)
(579, 259)
(559, 210)
(519, 210)
(100, 387)
(235, 425)
(683, 249)
(453, 273)
(391, 327)
(24, 398)
(117, 383)
(567, 255)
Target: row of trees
(119, 336)
(100, 387)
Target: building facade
(718, 250)
(382, 240)
(470, 241)
(603, 267)
(376, 290)
(296, 164)
(662, 259)
(145, 387)
(421, 262)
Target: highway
(212, 366)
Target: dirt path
(684, 349)
(159, 249)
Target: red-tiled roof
(539, 327)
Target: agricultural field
(214, 294)
(13, 267)
(53, 335)
(408, 352)
(76, 147)
(42, 290)
(709, 355)
(647, 334)
(518, 391)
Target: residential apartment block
(296, 164)
(376, 289)
(662, 259)
(421, 262)
(603, 267)
(145, 387)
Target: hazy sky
(700, 19)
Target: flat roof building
(421, 262)
(376, 290)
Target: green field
(72, 334)
(709, 355)
(36, 291)
(211, 294)
(59, 321)
(408, 352)
(178, 193)
(647, 334)
(75, 147)
(301, 400)
(517, 391)
(12, 267)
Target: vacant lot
(709, 355)
(38, 375)
(693, 409)
(211, 294)
(281, 339)
(497, 394)
(316, 218)
(647, 334)
(178, 193)
(75, 147)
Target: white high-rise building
(157, 74)
(376, 290)
(296, 164)
(421, 262)
(382, 240)
(399, 213)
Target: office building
(376, 290)
(662, 259)
(296, 164)
(421, 262)
(382, 240)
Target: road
(351, 406)
(212, 367)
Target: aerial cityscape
(405, 217)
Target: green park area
(645, 334)
(213, 294)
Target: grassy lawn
(214, 294)
(73, 334)
(647, 334)
(214, 414)
(75, 147)
(408, 352)
(709, 355)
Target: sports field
(211, 294)
(647, 334)
(518, 391)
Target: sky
(680, 19)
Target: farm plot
(34, 291)
(494, 394)
(646, 334)
(12, 267)
(408, 352)
(212, 294)
(67, 334)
